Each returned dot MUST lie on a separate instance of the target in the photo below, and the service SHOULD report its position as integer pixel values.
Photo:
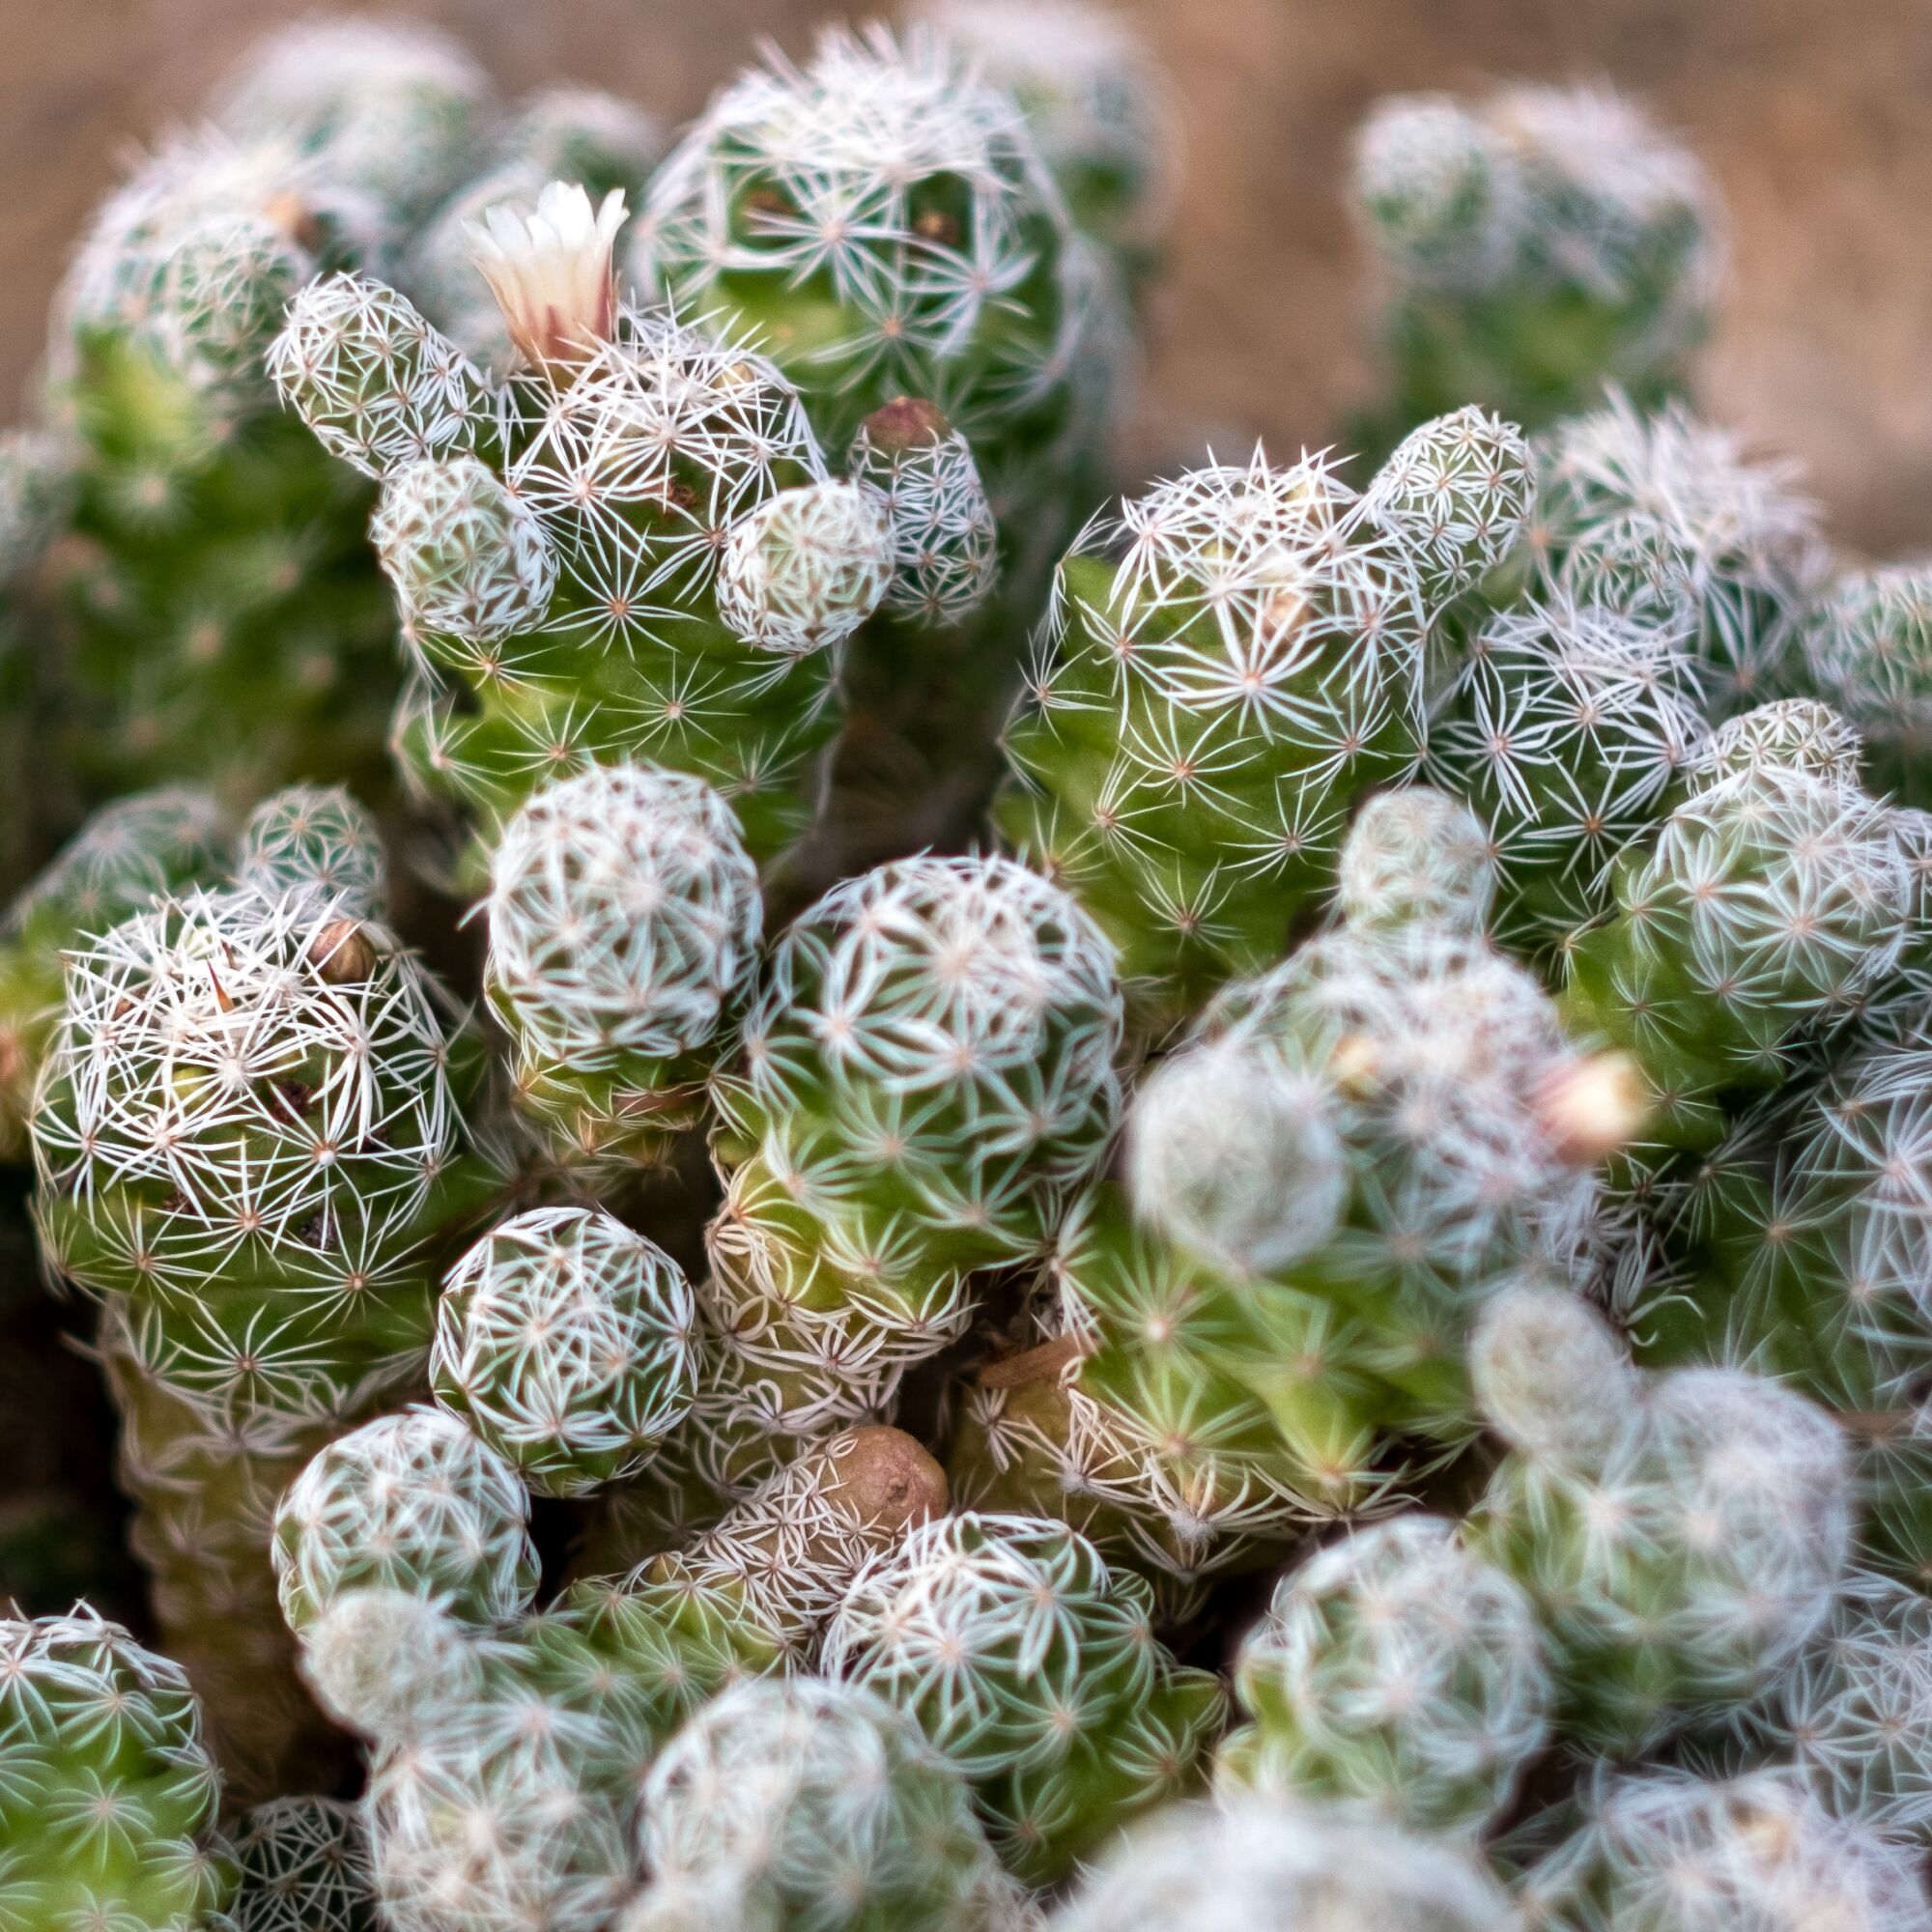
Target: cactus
(107, 1808)
(812, 1805)
(1682, 1535)
(1323, 1190)
(1668, 1852)
(1277, 1867)
(1225, 667)
(317, 840)
(126, 853)
(1399, 1674)
(557, 548)
(926, 1076)
(1034, 1669)
(1664, 516)
(249, 1146)
(301, 1866)
(1867, 645)
(1535, 245)
(569, 1344)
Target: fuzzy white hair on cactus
(551, 273)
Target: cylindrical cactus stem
(926, 1076)
(1279, 1867)
(569, 570)
(1682, 1535)
(249, 1146)
(1536, 245)
(128, 854)
(624, 922)
(1868, 647)
(1398, 1675)
(569, 1344)
(1670, 1852)
(107, 1811)
(1034, 1669)
(1769, 907)
(301, 1866)
(812, 1805)
(1224, 669)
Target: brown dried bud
(885, 1479)
(906, 422)
(342, 953)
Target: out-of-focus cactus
(1226, 667)
(808, 1806)
(565, 550)
(1093, 101)
(1682, 1535)
(1565, 729)
(1536, 245)
(624, 927)
(1325, 1190)
(1668, 1852)
(509, 1767)
(926, 1075)
(316, 840)
(301, 1866)
(1666, 518)
(250, 1148)
(1398, 1673)
(1034, 1670)
(569, 1344)
(1771, 902)
(125, 855)
(1868, 648)
(107, 1806)
(415, 1502)
(1276, 1867)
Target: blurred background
(1815, 119)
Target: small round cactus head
(383, 1663)
(813, 1806)
(574, 134)
(1668, 1852)
(301, 1866)
(1551, 1376)
(1456, 493)
(805, 569)
(392, 108)
(1268, 1866)
(316, 839)
(1397, 1674)
(1440, 190)
(1868, 646)
(1797, 733)
(411, 1502)
(469, 559)
(107, 1809)
(569, 1346)
(1235, 1155)
(1415, 855)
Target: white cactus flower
(551, 273)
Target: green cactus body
(249, 1148)
(1035, 1669)
(1224, 669)
(301, 1866)
(926, 1077)
(624, 924)
(560, 586)
(128, 853)
(1868, 648)
(1682, 1535)
(812, 1805)
(1399, 1674)
(1537, 246)
(107, 1811)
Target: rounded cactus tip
(551, 273)
(1416, 855)
(382, 1661)
(806, 567)
(569, 1344)
(1439, 189)
(1456, 493)
(887, 1479)
(1234, 1155)
(1794, 734)
(1551, 1375)
(315, 840)
(1592, 1105)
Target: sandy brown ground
(1817, 120)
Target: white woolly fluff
(802, 571)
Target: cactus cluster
(1278, 1274)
